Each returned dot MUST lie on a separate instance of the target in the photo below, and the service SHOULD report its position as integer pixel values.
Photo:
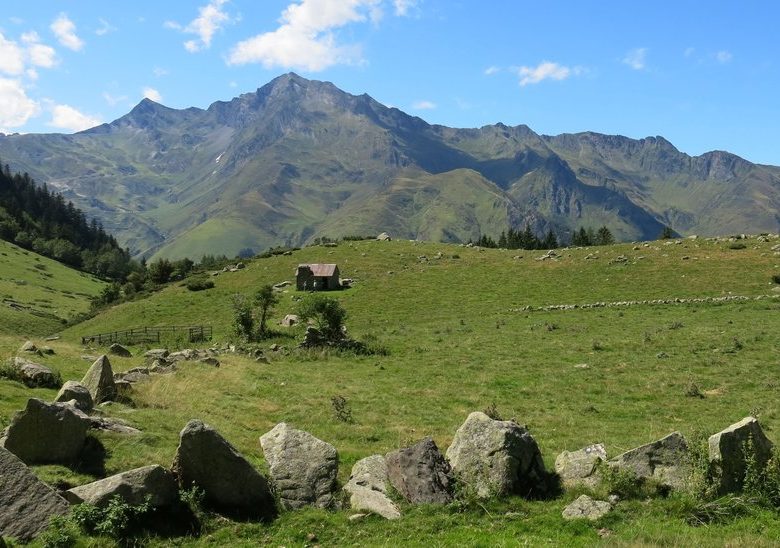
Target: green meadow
(458, 339)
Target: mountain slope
(299, 158)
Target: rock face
(36, 375)
(204, 458)
(367, 487)
(73, 390)
(99, 380)
(132, 487)
(664, 460)
(118, 350)
(496, 458)
(420, 473)
(303, 468)
(46, 433)
(26, 503)
(727, 458)
(580, 467)
(586, 508)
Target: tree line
(527, 239)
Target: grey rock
(99, 380)
(290, 319)
(206, 459)
(665, 461)
(210, 360)
(420, 473)
(35, 375)
(586, 508)
(136, 374)
(495, 458)
(156, 353)
(133, 487)
(30, 347)
(118, 350)
(303, 468)
(580, 467)
(188, 354)
(46, 433)
(73, 390)
(384, 237)
(727, 457)
(367, 487)
(111, 424)
(26, 503)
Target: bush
(59, 534)
(327, 314)
(199, 284)
(117, 520)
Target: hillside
(461, 338)
(38, 294)
(299, 159)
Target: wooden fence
(137, 335)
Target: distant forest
(35, 218)
(526, 239)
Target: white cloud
(723, 56)
(211, 18)
(159, 71)
(113, 100)
(65, 31)
(11, 57)
(636, 58)
(15, 107)
(492, 70)
(153, 94)
(104, 28)
(39, 54)
(67, 117)
(305, 39)
(403, 7)
(424, 105)
(545, 70)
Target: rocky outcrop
(26, 503)
(588, 508)
(367, 487)
(664, 461)
(73, 390)
(153, 483)
(420, 473)
(303, 468)
(46, 433)
(495, 458)
(99, 380)
(35, 375)
(580, 468)
(230, 484)
(729, 450)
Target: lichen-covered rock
(73, 390)
(153, 483)
(665, 461)
(99, 380)
(118, 350)
(367, 487)
(727, 453)
(421, 474)
(303, 468)
(495, 458)
(36, 375)
(588, 508)
(30, 347)
(46, 433)
(230, 484)
(26, 503)
(580, 467)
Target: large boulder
(230, 484)
(118, 350)
(420, 473)
(576, 468)
(73, 390)
(99, 380)
(26, 503)
(36, 375)
(133, 487)
(46, 433)
(665, 461)
(303, 468)
(586, 507)
(494, 458)
(367, 487)
(727, 453)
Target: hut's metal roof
(319, 269)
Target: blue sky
(704, 74)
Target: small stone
(356, 517)
(586, 507)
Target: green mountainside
(298, 159)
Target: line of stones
(617, 304)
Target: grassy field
(459, 341)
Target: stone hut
(317, 277)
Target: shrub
(243, 320)
(341, 409)
(327, 314)
(492, 412)
(117, 520)
(59, 534)
(199, 284)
